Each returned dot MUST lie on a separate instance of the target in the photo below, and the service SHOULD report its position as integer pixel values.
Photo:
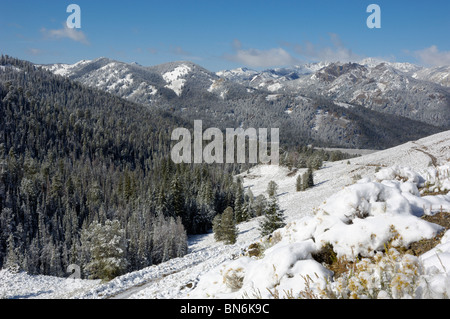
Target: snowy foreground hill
(358, 207)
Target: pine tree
(177, 197)
(181, 240)
(272, 188)
(217, 227)
(107, 246)
(273, 218)
(12, 260)
(246, 212)
(305, 181)
(273, 215)
(310, 178)
(206, 194)
(224, 227)
(299, 183)
(228, 226)
(158, 229)
(316, 162)
(259, 205)
(239, 206)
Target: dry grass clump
(255, 250)
(234, 278)
(327, 257)
(420, 247)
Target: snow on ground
(272, 97)
(7, 67)
(174, 79)
(24, 286)
(274, 87)
(356, 205)
(64, 69)
(356, 218)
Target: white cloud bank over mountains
(288, 54)
(433, 57)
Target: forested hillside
(77, 164)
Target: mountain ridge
(340, 99)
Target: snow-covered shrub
(393, 275)
(234, 278)
(360, 219)
(436, 283)
(437, 180)
(399, 173)
(389, 275)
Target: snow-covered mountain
(395, 88)
(403, 89)
(137, 83)
(112, 76)
(335, 104)
(381, 88)
(356, 206)
(439, 75)
(271, 79)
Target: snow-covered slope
(24, 286)
(65, 69)
(403, 89)
(439, 75)
(130, 81)
(354, 203)
(356, 219)
(175, 80)
(383, 88)
(133, 81)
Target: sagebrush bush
(234, 278)
(386, 275)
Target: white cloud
(260, 58)
(34, 51)
(336, 52)
(66, 33)
(433, 57)
(180, 51)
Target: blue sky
(221, 34)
